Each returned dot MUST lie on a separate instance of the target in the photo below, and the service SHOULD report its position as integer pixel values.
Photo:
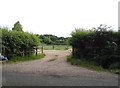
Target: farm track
(54, 65)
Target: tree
(18, 43)
(17, 26)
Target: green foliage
(114, 68)
(46, 40)
(101, 45)
(17, 26)
(26, 58)
(82, 62)
(18, 43)
(115, 65)
(53, 40)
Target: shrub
(18, 42)
(115, 65)
(100, 45)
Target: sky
(58, 17)
(119, 15)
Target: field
(56, 47)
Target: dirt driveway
(54, 64)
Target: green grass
(90, 65)
(56, 47)
(25, 58)
(83, 63)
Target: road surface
(53, 70)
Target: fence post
(23, 53)
(36, 51)
(53, 47)
(42, 49)
(73, 51)
(3, 51)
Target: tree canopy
(17, 42)
(52, 39)
(17, 26)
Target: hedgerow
(18, 43)
(100, 45)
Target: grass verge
(90, 65)
(25, 58)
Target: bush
(18, 42)
(115, 65)
(26, 58)
(99, 45)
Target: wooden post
(23, 53)
(42, 49)
(3, 51)
(36, 51)
(73, 51)
(53, 47)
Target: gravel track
(54, 64)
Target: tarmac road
(20, 79)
